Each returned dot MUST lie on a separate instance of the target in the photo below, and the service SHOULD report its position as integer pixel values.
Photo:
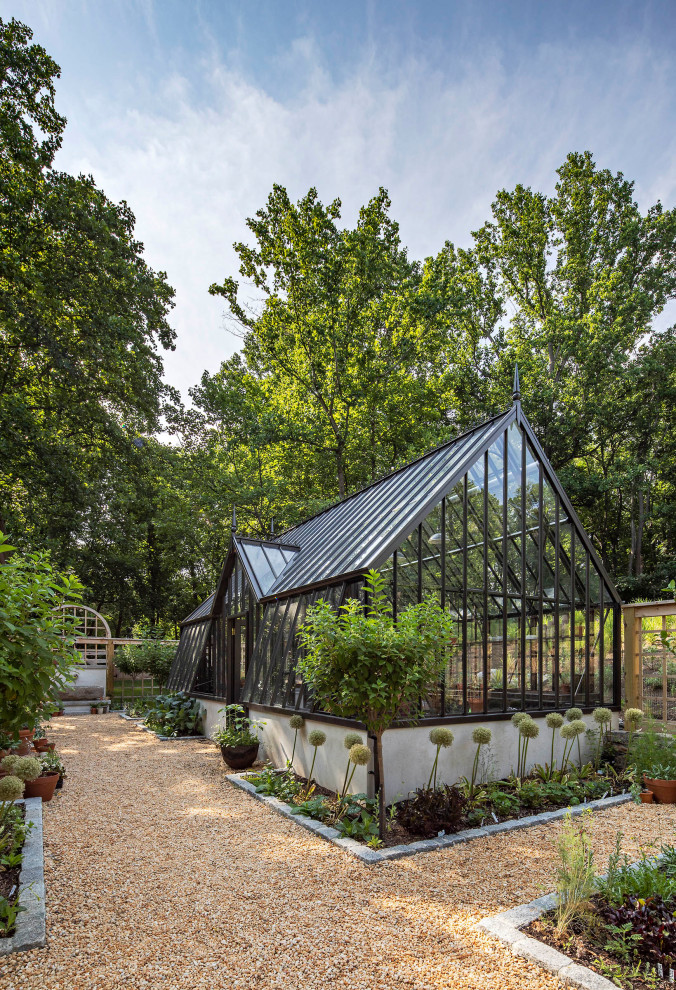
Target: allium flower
(554, 720)
(360, 755)
(573, 713)
(11, 789)
(481, 735)
(317, 737)
(529, 729)
(633, 718)
(578, 726)
(518, 717)
(296, 721)
(9, 763)
(28, 768)
(352, 739)
(568, 731)
(439, 736)
(602, 715)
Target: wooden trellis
(649, 667)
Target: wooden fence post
(630, 657)
(110, 668)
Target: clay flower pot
(26, 733)
(41, 745)
(646, 797)
(664, 791)
(93, 710)
(240, 757)
(42, 787)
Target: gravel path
(154, 880)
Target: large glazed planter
(42, 787)
(664, 791)
(240, 757)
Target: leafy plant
(362, 664)
(281, 784)
(575, 880)
(149, 657)
(9, 911)
(439, 737)
(174, 715)
(653, 753)
(37, 656)
(433, 810)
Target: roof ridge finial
(234, 518)
(516, 394)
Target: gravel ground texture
(160, 874)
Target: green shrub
(174, 715)
(37, 655)
(433, 810)
(575, 879)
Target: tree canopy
(354, 359)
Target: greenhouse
(482, 524)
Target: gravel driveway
(160, 874)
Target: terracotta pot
(664, 791)
(42, 787)
(240, 757)
(60, 712)
(646, 797)
(25, 747)
(41, 745)
(26, 733)
(93, 710)
(51, 746)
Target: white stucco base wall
(90, 677)
(408, 754)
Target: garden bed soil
(9, 882)
(397, 835)
(578, 946)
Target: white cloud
(193, 169)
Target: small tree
(37, 654)
(362, 664)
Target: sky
(190, 110)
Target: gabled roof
(263, 561)
(361, 531)
(202, 611)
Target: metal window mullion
(395, 583)
(504, 573)
(264, 652)
(541, 539)
(464, 595)
(274, 649)
(572, 615)
(420, 563)
(287, 647)
(587, 623)
(485, 589)
(523, 573)
(602, 633)
(557, 578)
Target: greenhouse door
(238, 660)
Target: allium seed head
(578, 726)
(352, 739)
(439, 736)
(11, 789)
(568, 731)
(481, 735)
(633, 718)
(317, 737)
(296, 721)
(602, 715)
(9, 763)
(529, 729)
(360, 755)
(554, 720)
(28, 768)
(573, 713)
(518, 717)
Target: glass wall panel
(475, 654)
(496, 655)
(454, 540)
(495, 500)
(532, 523)
(514, 508)
(608, 650)
(407, 572)
(431, 554)
(513, 651)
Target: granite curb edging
(507, 926)
(30, 929)
(370, 856)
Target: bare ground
(160, 874)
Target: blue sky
(191, 110)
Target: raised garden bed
(624, 934)
(399, 850)
(29, 928)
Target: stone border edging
(367, 855)
(30, 930)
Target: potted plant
(37, 781)
(237, 737)
(660, 778)
(93, 709)
(652, 753)
(52, 763)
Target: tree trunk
(639, 534)
(378, 747)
